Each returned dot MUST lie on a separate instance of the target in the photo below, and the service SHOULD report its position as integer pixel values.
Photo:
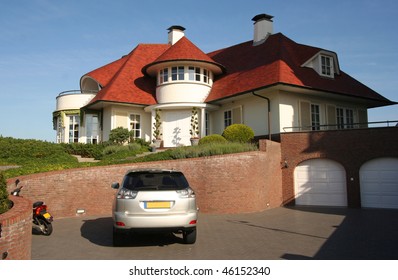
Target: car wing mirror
(115, 186)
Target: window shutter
(237, 115)
(305, 115)
(331, 117)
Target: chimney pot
(176, 32)
(263, 27)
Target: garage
(320, 182)
(379, 183)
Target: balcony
(73, 99)
(341, 126)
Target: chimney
(176, 32)
(263, 27)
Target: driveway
(281, 233)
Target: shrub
(214, 138)
(119, 135)
(238, 133)
(84, 150)
(4, 202)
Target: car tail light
(120, 224)
(126, 194)
(186, 193)
(193, 222)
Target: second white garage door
(320, 182)
(379, 183)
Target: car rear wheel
(189, 236)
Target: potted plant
(157, 135)
(194, 131)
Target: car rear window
(155, 181)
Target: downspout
(269, 113)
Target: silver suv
(154, 199)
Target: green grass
(35, 156)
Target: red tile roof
(183, 50)
(122, 81)
(278, 60)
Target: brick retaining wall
(16, 230)
(235, 183)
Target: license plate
(157, 204)
(47, 215)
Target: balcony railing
(341, 126)
(78, 91)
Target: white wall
(182, 92)
(111, 121)
(72, 101)
(254, 114)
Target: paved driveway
(281, 233)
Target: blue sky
(47, 45)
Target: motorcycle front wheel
(45, 227)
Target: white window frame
(227, 118)
(133, 125)
(230, 118)
(60, 130)
(315, 122)
(74, 128)
(345, 118)
(92, 129)
(184, 73)
(326, 66)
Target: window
(135, 125)
(74, 123)
(60, 131)
(233, 116)
(345, 118)
(227, 118)
(315, 117)
(191, 73)
(205, 76)
(197, 74)
(177, 73)
(181, 73)
(92, 129)
(164, 76)
(326, 66)
(207, 123)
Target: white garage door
(320, 182)
(379, 183)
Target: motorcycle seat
(37, 204)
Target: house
(270, 83)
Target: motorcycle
(42, 219)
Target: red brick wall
(351, 148)
(236, 183)
(16, 234)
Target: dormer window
(325, 63)
(326, 66)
